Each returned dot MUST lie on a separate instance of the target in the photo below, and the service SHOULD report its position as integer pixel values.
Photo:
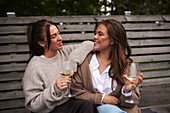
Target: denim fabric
(108, 108)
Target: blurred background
(84, 7)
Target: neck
(104, 58)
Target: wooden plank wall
(149, 37)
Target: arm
(80, 52)
(122, 98)
(127, 90)
(38, 97)
(82, 88)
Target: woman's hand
(108, 99)
(130, 85)
(61, 83)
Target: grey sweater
(41, 93)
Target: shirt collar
(95, 64)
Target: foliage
(83, 7)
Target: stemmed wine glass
(132, 74)
(68, 72)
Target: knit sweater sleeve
(78, 55)
(39, 98)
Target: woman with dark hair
(44, 88)
(100, 78)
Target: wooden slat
(11, 76)
(160, 73)
(12, 103)
(150, 50)
(146, 26)
(12, 67)
(151, 89)
(166, 17)
(158, 81)
(15, 110)
(149, 66)
(11, 95)
(13, 39)
(57, 19)
(14, 85)
(14, 48)
(148, 34)
(22, 20)
(13, 29)
(14, 57)
(149, 42)
(144, 18)
(150, 58)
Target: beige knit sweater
(41, 93)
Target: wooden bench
(149, 37)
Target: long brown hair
(120, 50)
(38, 31)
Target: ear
(42, 43)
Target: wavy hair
(120, 50)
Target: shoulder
(88, 59)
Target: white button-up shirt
(102, 83)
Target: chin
(60, 47)
(95, 49)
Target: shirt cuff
(102, 98)
(126, 94)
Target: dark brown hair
(38, 31)
(120, 50)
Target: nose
(59, 37)
(95, 37)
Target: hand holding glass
(67, 72)
(132, 75)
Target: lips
(60, 44)
(96, 42)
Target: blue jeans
(108, 108)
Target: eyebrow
(100, 32)
(54, 34)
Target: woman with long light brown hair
(100, 79)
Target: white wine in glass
(133, 76)
(68, 72)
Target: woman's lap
(76, 106)
(108, 108)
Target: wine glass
(68, 72)
(132, 74)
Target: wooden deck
(149, 37)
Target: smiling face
(101, 39)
